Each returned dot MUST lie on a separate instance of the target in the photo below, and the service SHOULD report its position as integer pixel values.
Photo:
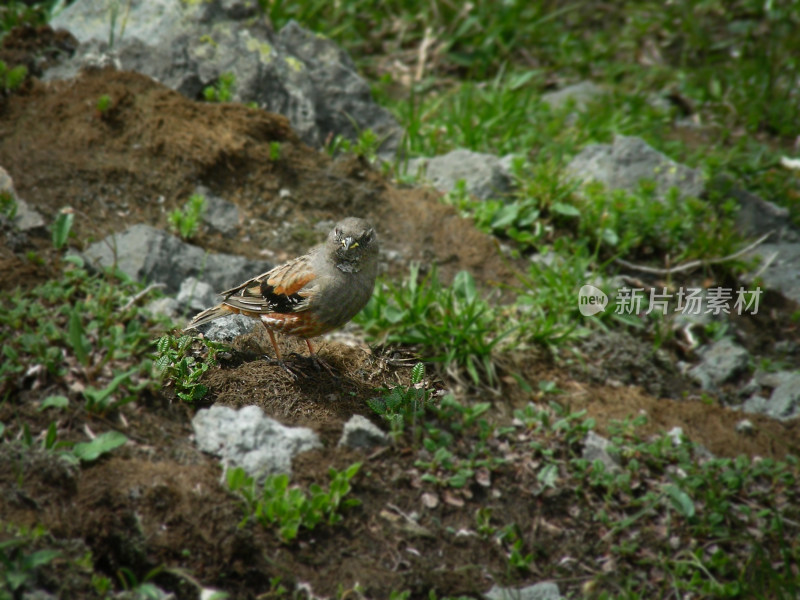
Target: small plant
(61, 227)
(404, 406)
(103, 104)
(222, 90)
(454, 325)
(186, 222)
(366, 145)
(8, 206)
(19, 561)
(290, 508)
(11, 79)
(182, 369)
(274, 151)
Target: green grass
(453, 325)
(288, 509)
(87, 324)
(186, 221)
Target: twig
(695, 263)
(142, 294)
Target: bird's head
(352, 242)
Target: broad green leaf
(77, 340)
(61, 229)
(680, 501)
(103, 443)
(566, 210)
(54, 402)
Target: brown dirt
(158, 501)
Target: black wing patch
(281, 303)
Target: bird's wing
(284, 289)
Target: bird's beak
(349, 242)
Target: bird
(309, 295)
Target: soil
(158, 502)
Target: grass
(186, 221)
(81, 326)
(453, 325)
(289, 509)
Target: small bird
(312, 294)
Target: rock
(226, 329)
(25, 218)
(581, 94)
(755, 216)
(745, 426)
(247, 438)
(755, 405)
(196, 295)
(720, 362)
(538, 591)
(784, 403)
(360, 432)
(151, 255)
(219, 215)
(596, 447)
(189, 45)
(779, 268)
(628, 161)
(485, 175)
(166, 306)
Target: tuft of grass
(178, 363)
(222, 90)
(11, 78)
(453, 324)
(404, 406)
(186, 222)
(290, 508)
(79, 325)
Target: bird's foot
(295, 375)
(318, 363)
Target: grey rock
(360, 432)
(189, 45)
(757, 216)
(581, 94)
(228, 328)
(546, 590)
(164, 306)
(219, 214)
(151, 255)
(755, 405)
(720, 362)
(26, 218)
(247, 438)
(779, 268)
(772, 379)
(195, 295)
(628, 161)
(484, 175)
(596, 447)
(784, 403)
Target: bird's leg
(318, 362)
(278, 358)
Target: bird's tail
(220, 310)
